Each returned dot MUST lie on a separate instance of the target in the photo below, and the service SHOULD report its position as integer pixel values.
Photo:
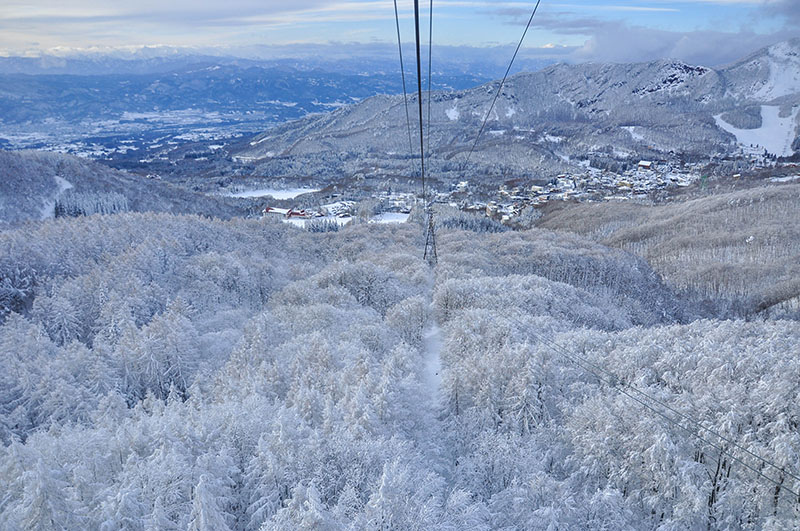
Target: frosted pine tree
(207, 515)
(46, 500)
(303, 511)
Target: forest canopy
(164, 371)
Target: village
(592, 185)
(503, 204)
(509, 202)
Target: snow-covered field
(300, 222)
(786, 179)
(775, 134)
(390, 217)
(452, 113)
(635, 135)
(386, 217)
(289, 193)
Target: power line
(695, 422)
(615, 383)
(430, 237)
(403, 76)
(500, 87)
(430, 62)
(419, 99)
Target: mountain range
(561, 118)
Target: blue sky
(703, 31)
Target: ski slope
(776, 134)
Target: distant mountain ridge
(163, 101)
(283, 91)
(551, 119)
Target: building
(278, 211)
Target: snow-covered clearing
(386, 217)
(289, 193)
(787, 179)
(634, 135)
(432, 364)
(256, 142)
(775, 134)
(430, 431)
(452, 113)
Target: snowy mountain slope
(31, 182)
(769, 74)
(752, 234)
(776, 132)
(544, 121)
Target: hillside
(31, 182)
(739, 249)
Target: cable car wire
(403, 76)
(430, 62)
(419, 100)
(500, 87)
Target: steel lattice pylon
(430, 241)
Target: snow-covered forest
(165, 371)
(738, 251)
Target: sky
(701, 31)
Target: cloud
(789, 9)
(577, 29)
(620, 43)
(202, 13)
(85, 23)
(618, 40)
(188, 19)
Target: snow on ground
(784, 73)
(636, 136)
(255, 142)
(390, 217)
(453, 113)
(432, 363)
(289, 193)
(301, 222)
(386, 217)
(775, 134)
(49, 208)
(498, 132)
(786, 179)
